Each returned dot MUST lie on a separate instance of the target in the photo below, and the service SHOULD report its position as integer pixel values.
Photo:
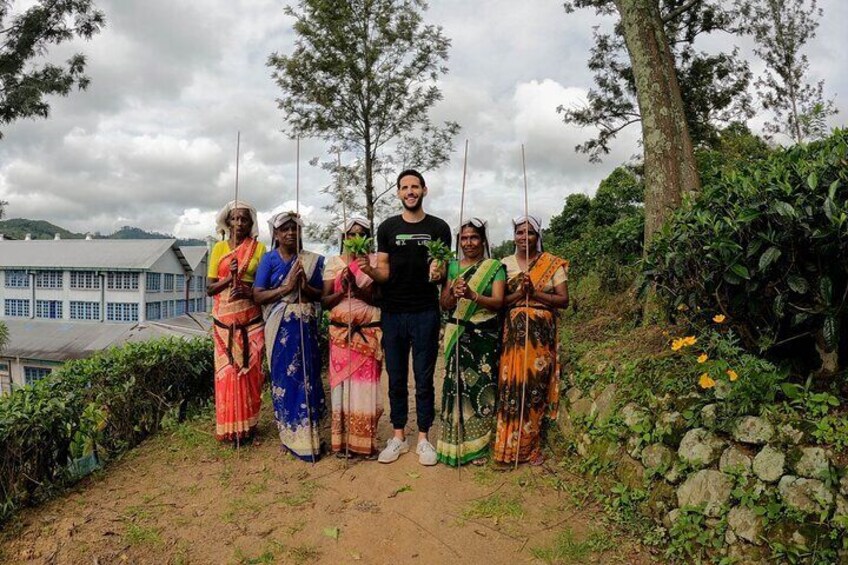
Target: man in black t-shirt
(410, 312)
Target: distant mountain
(17, 228)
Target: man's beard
(415, 208)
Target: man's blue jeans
(418, 331)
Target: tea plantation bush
(766, 244)
(92, 410)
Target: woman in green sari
(475, 294)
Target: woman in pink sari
(355, 352)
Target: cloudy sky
(151, 143)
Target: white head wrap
(281, 218)
(535, 223)
(345, 227)
(224, 213)
(479, 224)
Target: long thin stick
(459, 434)
(300, 306)
(236, 282)
(346, 385)
(526, 309)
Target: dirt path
(182, 498)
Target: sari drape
(291, 342)
(239, 342)
(355, 365)
(478, 335)
(538, 377)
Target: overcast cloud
(151, 143)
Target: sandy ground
(183, 498)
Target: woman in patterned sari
(288, 283)
(475, 293)
(355, 352)
(537, 286)
(238, 329)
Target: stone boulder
(745, 524)
(840, 516)
(670, 426)
(709, 415)
(811, 462)
(735, 462)
(753, 430)
(768, 464)
(573, 394)
(789, 434)
(582, 407)
(843, 483)
(657, 457)
(707, 487)
(700, 447)
(604, 405)
(810, 496)
(634, 416)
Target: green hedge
(91, 410)
(765, 243)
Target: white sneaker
(426, 453)
(394, 449)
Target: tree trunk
(369, 184)
(670, 167)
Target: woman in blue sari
(288, 284)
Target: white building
(77, 285)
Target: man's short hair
(411, 173)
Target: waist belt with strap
(245, 342)
(355, 328)
(488, 325)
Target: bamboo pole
(346, 385)
(526, 309)
(459, 430)
(300, 305)
(235, 283)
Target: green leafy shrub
(765, 243)
(97, 407)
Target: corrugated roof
(60, 341)
(194, 254)
(84, 254)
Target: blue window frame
(154, 282)
(122, 281)
(17, 279)
(33, 374)
(16, 307)
(122, 311)
(51, 309)
(85, 280)
(81, 310)
(48, 279)
(169, 282)
(153, 311)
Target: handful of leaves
(358, 245)
(438, 251)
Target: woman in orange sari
(355, 353)
(238, 326)
(528, 386)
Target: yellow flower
(676, 344)
(732, 375)
(682, 307)
(706, 381)
(702, 358)
(689, 340)
(719, 318)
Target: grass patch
(568, 549)
(237, 507)
(495, 507)
(302, 496)
(136, 534)
(302, 554)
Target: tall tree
(781, 29)
(670, 167)
(25, 78)
(363, 77)
(714, 87)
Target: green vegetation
(495, 507)
(18, 228)
(567, 548)
(92, 410)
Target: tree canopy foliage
(713, 87)
(26, 78)
(363, 77)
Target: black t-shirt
(408, 288)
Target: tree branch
(674, 14)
